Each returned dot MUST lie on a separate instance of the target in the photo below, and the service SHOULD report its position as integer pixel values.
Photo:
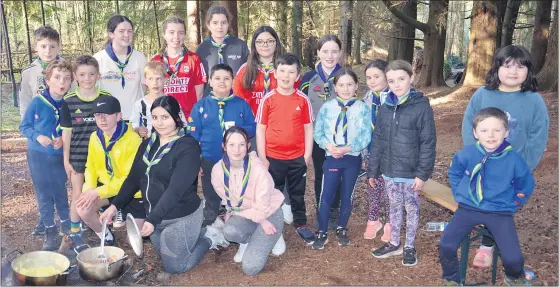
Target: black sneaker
(39, 229)
(321, 240)
(51, 239)
(410, 257)
(387, 250)
(306, 234)
(334, 218)
(64, 227)
(341, 234)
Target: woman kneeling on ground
(167, 165)
(254, 218)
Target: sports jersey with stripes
(77, 116)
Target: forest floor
(300, 265)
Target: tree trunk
(402, 46)
(452, 21)
(231, 5)
(547, 77)
(296, 24)
(501, 11)
(541, 33)
(310, 49)
(432, 72)
(193, 26)
(43, 13)
(509, 21)
(203, 7)
(29, 52)
(346, 11)
(89, 26)
(483, 42)
(156, 24)
(9, 53)
(357, 48)
(117, 7)
(283, 30)
(461, 16)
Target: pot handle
(116, 261)
(10, 253)
(69, 270)
(62, 277)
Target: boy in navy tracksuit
(490, 182)
(210, 118)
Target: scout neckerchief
(327, 86)
(342, 118)
(221, 104)
(219, 48)
(55, 105)
(155, 160)
(120, 65)
(226, 166)
(476, 179)
(375, 104)
(393, 101)
(173, 72)
(121, 128)
(267, 68)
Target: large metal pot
(40, 268)
(91, 270)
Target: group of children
(264, 105)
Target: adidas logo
(78, 111)
(297, 108)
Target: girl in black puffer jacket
(404, 154)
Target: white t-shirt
(140, 119)
(110, 80)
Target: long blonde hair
(171, 20)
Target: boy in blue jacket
(210, 118)
(490, 181)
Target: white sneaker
(287, 215)
(279, 248)
(240, 252)
(219, 224)
(216, 237)
(119, 221)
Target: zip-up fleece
(504, 178)
(404, 139)
(313, 86)
(260, 200)
(169, 190)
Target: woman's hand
(108, 214)
(147, 229)
(143, 132)
(269, 228)
(87, 198)
(417, 185)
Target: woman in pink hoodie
(254, 218)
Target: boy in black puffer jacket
(404, 154)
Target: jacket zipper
(390, 138)
(147, 188)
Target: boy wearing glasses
(111, 151)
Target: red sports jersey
(284, 118)
(190, 74)
(254, 97)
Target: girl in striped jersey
(185, 73)
(378, 198)
(318, 85)
(78, 124)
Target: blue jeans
(49, 180)
(341, 172)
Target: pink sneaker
(386, 236)
(372, 228)
(482, 258)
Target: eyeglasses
(265, 43)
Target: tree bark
(29, 51)
(43, 13)
(296, 25)
(483, 42)
(501, 11)
(509, 21)
(192, 23)
(283, 30)
(346, 11)
(117, 6)
(541, 34)
(203, 7)
(156, 24)
(9, 53)
(231, 5)
(357, 48)
(547, 77)
(452, 29)
(89, 26)
(402, 46)
(461, 16)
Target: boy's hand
(69, 169)
(143, 132)
(44, 140)
(372, 182)
(57, 143)
(87, 198)
(417, 185)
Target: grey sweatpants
(180, 242)
(241, 230)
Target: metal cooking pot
(90, 269)
(26, 266)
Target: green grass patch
(10, 118)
